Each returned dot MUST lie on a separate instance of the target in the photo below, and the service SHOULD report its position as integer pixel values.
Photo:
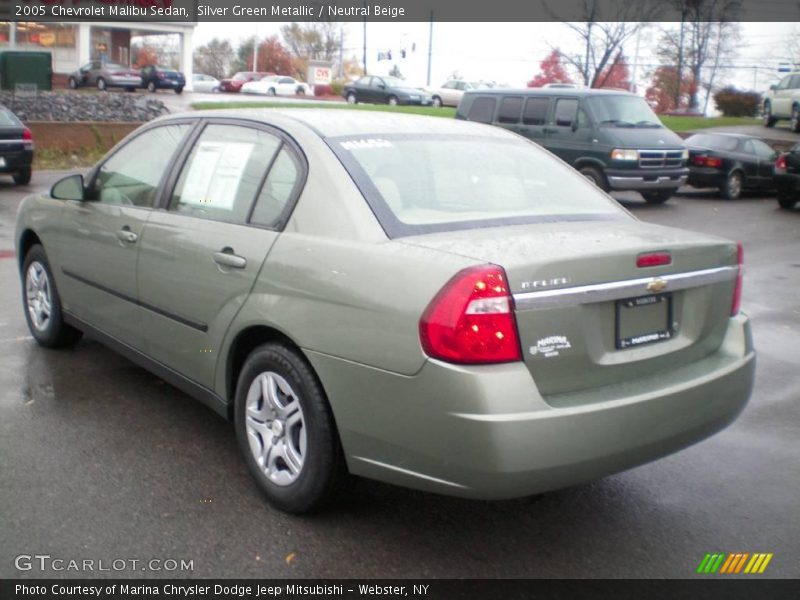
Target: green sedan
(433, 303)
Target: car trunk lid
(587, 315)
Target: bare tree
(214, 58)
(605, 28)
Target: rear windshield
(712, 142)
(622, 111)
(8, 119)
(429, 183)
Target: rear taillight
(707, 161)
(737, 291)
(713, 162)
(654, 259)
(471, 320)
(27, 138)
(780, 164)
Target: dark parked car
(385, 90)
(730, 162)
(161, 78)
(787, 177)
(105, 75)
(235, 83)
(16, 147)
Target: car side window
(748, 147)
(450, 85)
(286, 80)
(482, 110)
(221, 176)
(794, 82)
(566, 111)
(132, 175)
(763, 150)
(363, 81)
(784, 83)
(377, 82)
(535, 111)
(278, 190)
(510, 109)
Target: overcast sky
(511, 52)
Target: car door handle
(227, 258)
(126, 235)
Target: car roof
(739, 136)
(576, 92)
(330, 122)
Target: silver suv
(782, 101)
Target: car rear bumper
(704, 177)
(645, 180)
(787, 182)
(486, 432)
(12, 162)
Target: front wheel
(658, 197)
(786, 201)
(595, 176)
(271, 92)
(73, 83)
(351, 98)
(769, 120)
(151, 87)
(732, 188)
(795, 121)
(392, 101)
(300, 91)
(178, 90)
(23, 177)
(101, 84)
(42, 303)
(286, 430)
(437, 102)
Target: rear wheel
(795, 121)
(271, 92)
(769, 120)
(101, 84)
(786, 201)
(300, 91)
(151, 87)
(42, 303)
(351, 98)
(595, 176)
(23, 177)
(392, 101)
(658, 197)
(732, 188)
(286, 430)
(178, 90)
(73, 83)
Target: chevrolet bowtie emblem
(657, 285)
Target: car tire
(151, 87)
(732, 188)
(391, 101)
(436, 102)
(23, 177)
(595, 176)
(787, 201)
(795, 119)
(351, 98)
(769, 120)
(300, 91)
(271, 92)
(178, 90)
(286, 431)
(38, 292)
(657, 197)
(101, 84)
(73, 83)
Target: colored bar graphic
(734, 562)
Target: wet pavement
(99, 460)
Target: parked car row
(104, 75)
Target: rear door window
(510, 109)
(278, 190)
(535, 111)
(482, 110)
(566, 111)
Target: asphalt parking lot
(101, 460)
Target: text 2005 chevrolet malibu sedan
(432, 303)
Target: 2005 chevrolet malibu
(437, 304)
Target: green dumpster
(26, 68)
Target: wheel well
(246, 341)
(28, 239)
(589, 162)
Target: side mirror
(69, 188)
(773, 87)
(575, 126)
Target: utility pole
(634, 76)
(365, 38)
(430, 49)
(679, 74)
(341, 52)
(255, 50)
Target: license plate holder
(643, 320)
